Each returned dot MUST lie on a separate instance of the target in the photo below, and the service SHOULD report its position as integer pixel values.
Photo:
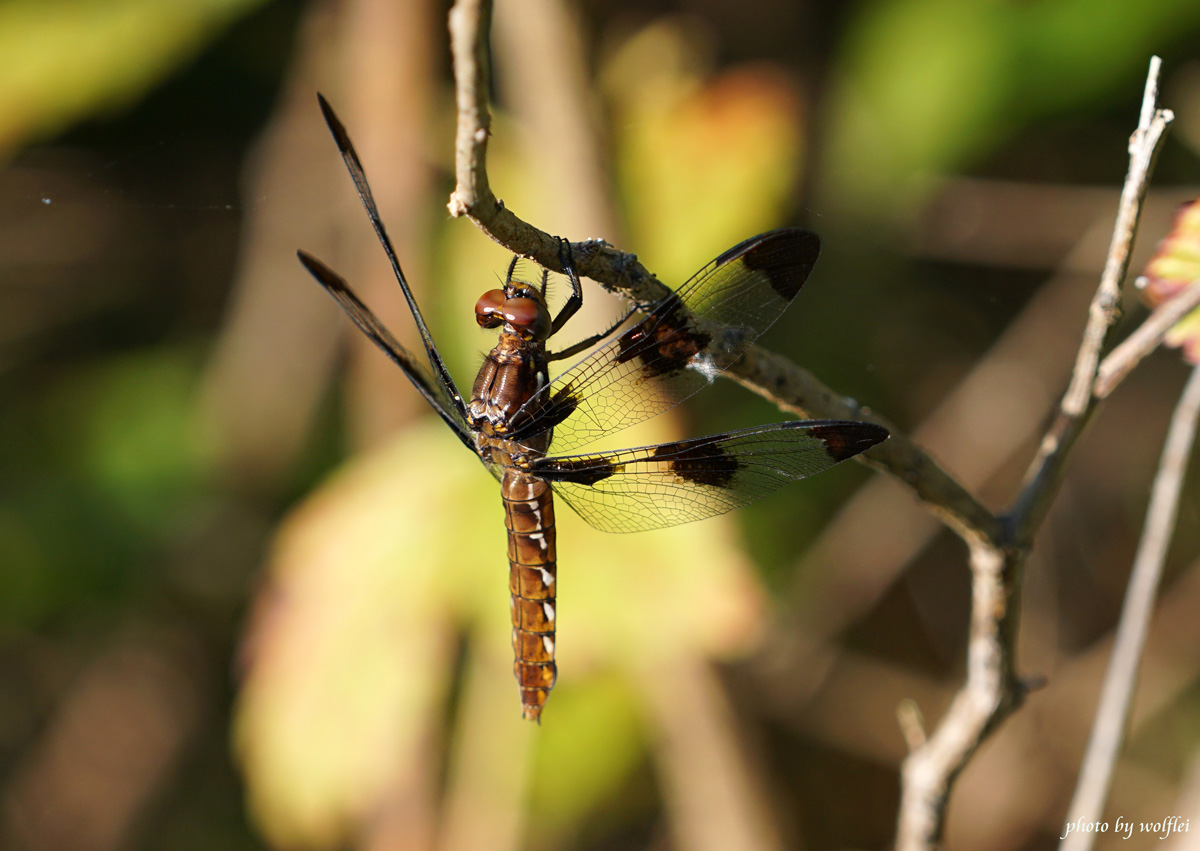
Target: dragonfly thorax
(513, 372)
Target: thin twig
(1047, 469)
(472, 197)
(992, 690)
(1121, 360)
(1113, 711)
(1106, 306)
(470, 21)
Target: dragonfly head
(521, 309)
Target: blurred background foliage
(252, 596)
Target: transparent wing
(632, 490)
(435, 392)
(663, 359)
(359, 176)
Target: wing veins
(651, 487)
(433, 392)
(359, 176)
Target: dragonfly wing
(665, 358)
(436, 393)
(651, 487)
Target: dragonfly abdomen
(529, 516)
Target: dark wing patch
(651, 487)
(665, 345)
(582, 470)
(662, 360)
(434, 391)
(703, 461)
(842, 443)
(786, 278)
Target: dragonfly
(528, 429)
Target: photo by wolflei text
(519, 421)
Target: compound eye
(528, 316)
(487, 309)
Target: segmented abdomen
(529, 516)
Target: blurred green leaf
(1073, 52)
(136, 437)
(930, 86)
(24, 589)
(65, 59)
(599, 726)
(102, 466)
(922, 86)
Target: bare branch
(470, 21)
(1113, 712)
(472, 196)
(469, 24)
(1105, 309)
(992, 690)
(989, 695)
(1045, 474)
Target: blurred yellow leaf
(349, 651)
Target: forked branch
(993, 691)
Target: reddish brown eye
(520, 311)
(487, 309)
(528, 316)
